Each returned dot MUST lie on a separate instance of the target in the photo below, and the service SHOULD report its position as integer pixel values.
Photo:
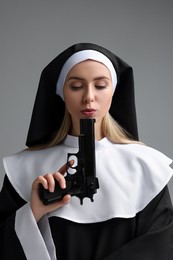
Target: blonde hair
(114, 132)
(110, 128)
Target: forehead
(89, 66)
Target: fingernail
(63, 186)
(71, 162)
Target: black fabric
(90, 241)
(49, 108)
(10, 201)
(154, 240)
(148, 236)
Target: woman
(131, 216)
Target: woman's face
(88, 93)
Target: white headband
(79, 57)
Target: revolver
(83, 183)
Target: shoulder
(142, 154)
(137, 173)
(25, 166)
(146, 162)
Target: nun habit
(131, 216)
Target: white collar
(130, 176)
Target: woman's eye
(76, 87)
(100, 86)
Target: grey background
(32, 33)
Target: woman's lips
(88, 112)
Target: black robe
(147, 236)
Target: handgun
(83, 183)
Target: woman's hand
(48, 182)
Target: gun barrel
(87, 145)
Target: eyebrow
(79, 78)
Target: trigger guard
(75, 161)
(72, 169)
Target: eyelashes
(75, 88)
(98, 87)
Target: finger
(63, 169)
(65, 200)
(61, 180)
(50, 181)
(40, 180)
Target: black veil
(49, 108)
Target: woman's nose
(88, 95)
